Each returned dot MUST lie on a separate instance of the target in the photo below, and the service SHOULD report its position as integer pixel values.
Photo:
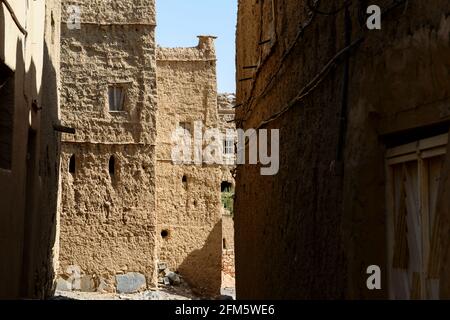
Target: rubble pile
(168, 277)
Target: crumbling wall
(106, 12)
(324, 221)
(188, 196)
(228, 265)
(107, 215)
(225, 105)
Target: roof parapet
(204, 51)
(207, 43)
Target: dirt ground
(182, 292)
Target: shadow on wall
(42, 176)
(50, 158)
(28, 214)
(205, 278)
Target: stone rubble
(168, 277)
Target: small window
(228, 146)
(72, 165)
(184, 181)
(116, 95)
(186, 126)
(6, 115)
(224, 243)
(112, 166)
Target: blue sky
(181, 21)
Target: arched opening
(72, 164)
(184, 180)
(112, 166)
(227, 191)
(226, 186)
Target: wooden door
(413, 173)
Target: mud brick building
(108, 220)
(189, 195)
(126, 207)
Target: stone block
(166, 281)
(162, 266)
(87, 284)
(105, 287)
(131, 282)
(63, 285)
(174, 278)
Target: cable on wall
(14, 17)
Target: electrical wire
(315, 11)
(329, 13)
(14, 17)
(309, 88)
(313, 84)
(252, 99)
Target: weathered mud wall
(228, 264)
(313, 229)
(188, 196)
(108, 217)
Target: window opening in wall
(186, 126)
(227, 196)
(224, 244)
(7, 101)
(112, 165)
(72, 165)
(228, 146)
(164, 234)
(116, 95)
(184, 181)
